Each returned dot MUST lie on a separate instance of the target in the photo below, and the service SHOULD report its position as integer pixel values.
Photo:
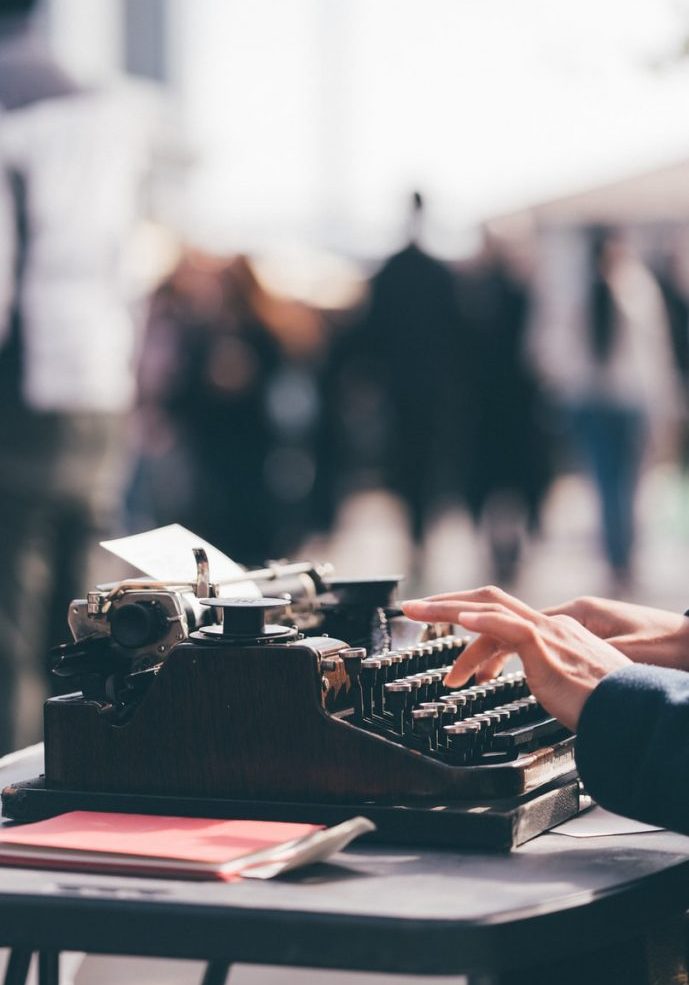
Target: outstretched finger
(492, 667)
(489, 594)
(506, 629)
(429, 611)
(483, 651)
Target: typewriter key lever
(244, 622)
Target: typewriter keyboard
(403, 698)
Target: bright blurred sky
(314, 119)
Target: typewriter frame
(201, 742)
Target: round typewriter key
(397, 696)
(407, 658)
(426, 656)
(439, 712)
(496, 721)
(502, 715)
(370, 669)
(521, 711)
(463, 701)
(438, 653)
(415, 683)
(479, 697)
(435, 685)
(353, 657)
(500, 687)
(491, 694)
(447, 714)
(484, 723)
(533, 708)
(520, 685)
(461, 741)
(424, 723)
(426, 681)
(387, 673)
(438, 705)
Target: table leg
(216, 973)
(48, 968)
(17, 967)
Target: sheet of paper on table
(599, 823)
(167, 554)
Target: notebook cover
(144, 843)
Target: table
(557, 910)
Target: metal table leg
(17, 967)
(216, 973)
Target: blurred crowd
(250, 416)
(464, 383)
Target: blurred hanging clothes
(506, 467)
(408, 332)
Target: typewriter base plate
(496, 825)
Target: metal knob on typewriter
(243, 622)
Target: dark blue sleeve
(632, 745)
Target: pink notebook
(144, 844)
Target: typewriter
(314, 701)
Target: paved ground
(563, 562)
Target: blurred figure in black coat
(505, 469)
(408, 330)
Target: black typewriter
(315, 705)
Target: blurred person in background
(673, 276)
(505, 468)
(228, 394)
(71, 161)
(610, 360)
(408, 333)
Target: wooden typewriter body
(268, 723)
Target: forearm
(633, 745)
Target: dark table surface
(373, 908)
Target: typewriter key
(397, 696)
(425, 680)
(461, 741)
(448, 716)
(479, 695)
(438, 654)
(435, 685)
(353, 658)
(462, 700)
(407, 659)
(426, 657)
(491, 694)
(424, 721)
(370, 669)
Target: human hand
(642, 633)
(563, 660)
